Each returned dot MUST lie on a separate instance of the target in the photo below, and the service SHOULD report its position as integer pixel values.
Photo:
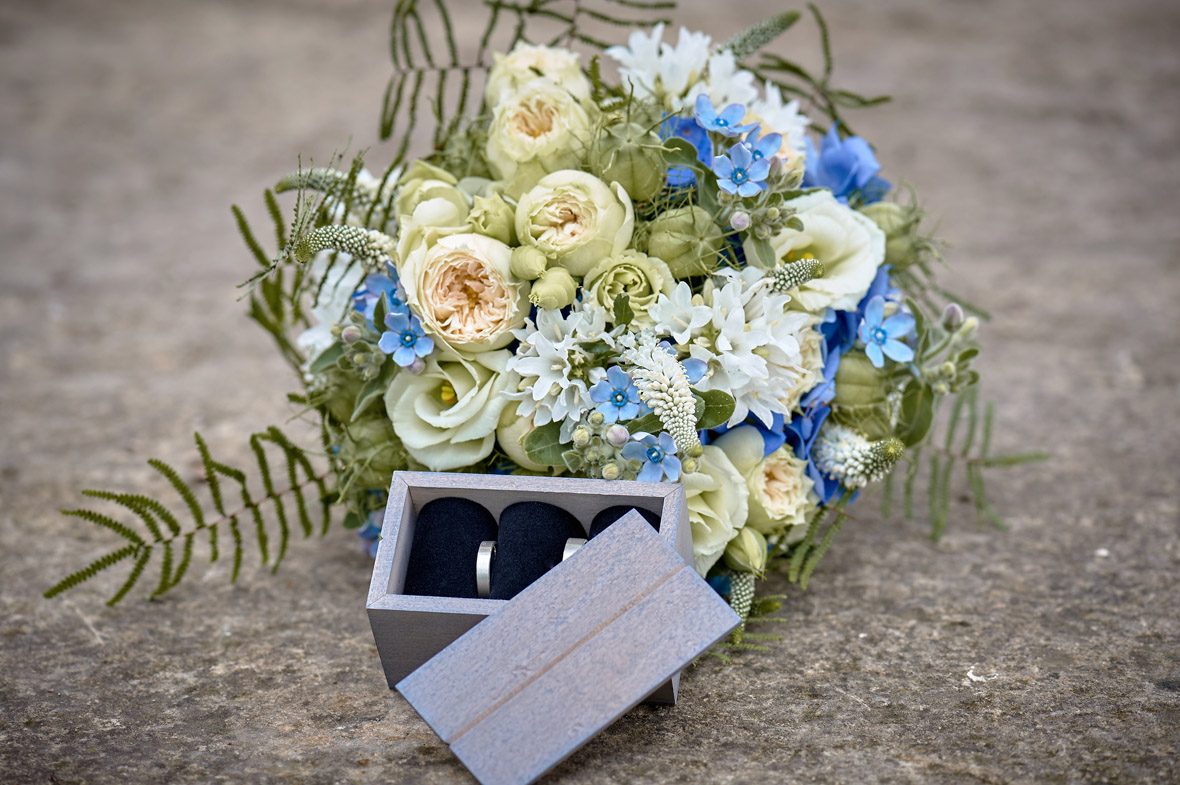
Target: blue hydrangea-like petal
(608, 411)
(404, 355)
(667, 444)
(741, 157)
(671, 466)
(704, 111)
(759, 170)
(651, 472)
(898, 351)
(398, 322)
(635, 451)
(628, 411)
(728, 186)
(424, 345)
(875, 311)
(748, 189)
(899, 325)
(617, 377)
(601, 392)
(695, 369)
(723, 166)
(873, 350)
(390, 342)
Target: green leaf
(352, 520)
(718, 408)
(595, 347)
(379, 311)
(648, 423)
(760, 250)
(1017, 459)
(917, 413)
(373, 390)
(543, 445)
(327, 358)
(622, 310)
(680, 152)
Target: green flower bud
(952, 316)
(617, 435)
(581, 437)
(351, 334)
(528, 263)
(493, 217)
(371, 449)
(339, 394)
(900, 225)
(858, 383)
(689, 465)
(630, 156)
(596, 418)
(555, 289)
(611, 471)
(747, 551)
(424, 181)
(687, 239)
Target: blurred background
(1046, 137)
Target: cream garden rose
(424, 182)
(781, 495)
(540, 127)
(717, 506)
(525, 62)
(462, 289)
(446, 416)
(575, 219)
(850, 246)
(641, 277)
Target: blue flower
(846, 167)
(617, 398)
(739, 173)
(881, 335)
(727, 123)
(658, 456)
(365, 299)
(764, 147)
(405, 339)
(688, 129)
(370, 533)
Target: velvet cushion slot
(612, 514)
(532, 538)
(446, 540)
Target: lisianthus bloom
(526, 61)
(617, 398)
(850, 246)
(539, 125)
(881, 335)
(718, 504)
(575, 219)
(463, 290)
(727, 122)
(447, 415)
(845, 167)
(657, 454)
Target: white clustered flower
(663, 385)
(747, 338)
(653, 69)
(785, 119)
(725, 83)
(340, 281)
(845, 454)
(555, 380)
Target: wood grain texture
(518, 693)
(409, 630)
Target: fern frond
(180, 534)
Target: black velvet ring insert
(531, 540)
(446, 540)
(612, 514)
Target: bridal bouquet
(668, 276)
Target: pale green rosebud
(596, 418)
(687, 239)
(858, 382)
(611, 471)
(629, 155)
(689, 465)
(747, 551)
(493, 217)
(370, 447)
(899, 224)
(424, 181)
(948, 370)
(555, 289)
(528, 263)
(581, 437)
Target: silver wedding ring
(483, 568)
(571, 547)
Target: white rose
(850, 246)
(539, 125)
(781, 495)
(446, 416)
(525, 62)
(575, 219)
(717, 506)
(462, 289)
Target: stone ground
(1045, 134)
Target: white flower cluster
(845, 454)
(748, 339)
(663, 385)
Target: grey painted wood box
(409, 629)
(570, 654)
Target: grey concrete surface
(1045, 134)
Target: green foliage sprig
(164, 534)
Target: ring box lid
(569, 655)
